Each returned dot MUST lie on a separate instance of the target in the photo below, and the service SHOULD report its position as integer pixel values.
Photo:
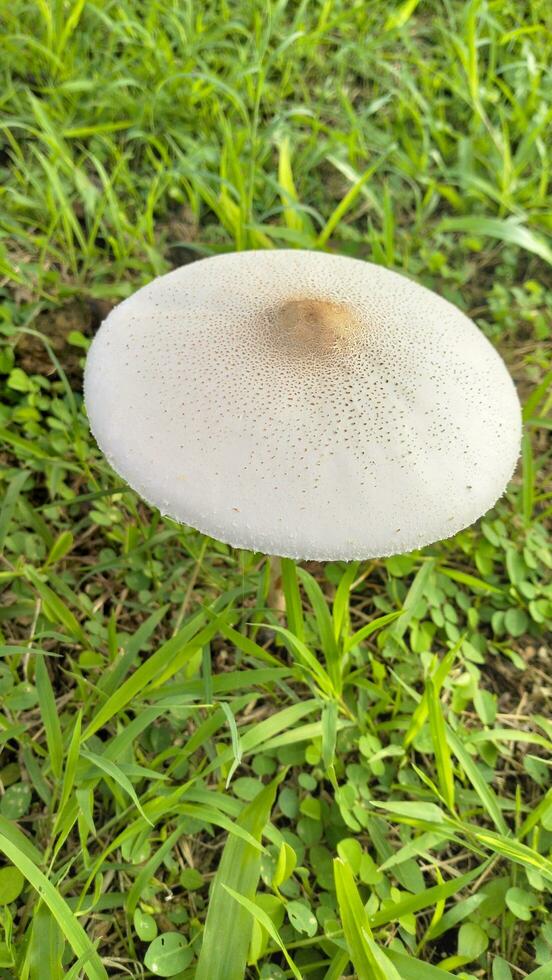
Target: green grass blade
(377, 624)
(294, 606)
(167, 661)
(228, 926)
(70, 768)
(304, 656)
(45, 952)
(113, 679)
(237, 749)
(109, 768)
(264, 920)
(413, 596)
(340, 610)
(50, 717)
(412, 968)
(528, 478)
(506, 230)
(514, 851)
(346, 203)
(57, 608)
(369, 961)
(69, 925)
(441, 750)
(421, 712)
(427, 898)
(483, 790)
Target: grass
(370, 775)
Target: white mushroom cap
(303, 404)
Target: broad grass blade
(264, 920)
(507, 230)
(228, 925)
(414, 969)
(69, 925)
(45, 951)
(369, 961)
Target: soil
(84, 315)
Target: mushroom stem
(276, 598)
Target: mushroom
(304, 405)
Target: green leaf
(472, 941)
(470, 580)
(168, 955)
(145, 926)
(516, 622)
(420, 714)
(110, 769)
(501, 969)
(16, 801)
(113, 678)
(70, 769)
(529, 476)
(324, 623)
(537, 395)
(236, 741)
(543, 973)
(350, 852)
(306, 658)
(227, 931)
(512, 850)
(285, 865)
(521, 903)
(210, 815)
(301, 918)
(329, 733)
(191, 879)
(294, 218)
(11, 885)
(15, 487)
(347, 202)
(340, 609)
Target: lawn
(193, 783)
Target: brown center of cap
(314, 326)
